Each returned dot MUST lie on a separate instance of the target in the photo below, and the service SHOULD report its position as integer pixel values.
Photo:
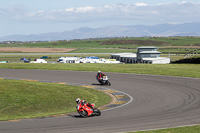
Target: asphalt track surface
(158, 102)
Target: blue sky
(43, 16)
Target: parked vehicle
(39, 61)
(88, 59)
(4, 61)
(25, 60)
(68, 60)
(86, 111)
(45, 57)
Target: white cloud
(140, 4)
(33, 14)
(69, 9)
(80, 9)
(138, 13)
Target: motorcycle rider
(78, 101)
(100, 75)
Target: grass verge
(183, 70)
(29, 99)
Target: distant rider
(100, 75)
(78, 101)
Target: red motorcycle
(85, 111)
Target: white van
(39, 61)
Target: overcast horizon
(42, 16)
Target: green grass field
(29, 99)
(92, 43)
(103, 50)
(166, 45)
(183, 70)
(129, 50)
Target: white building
(125, 57)
(144, 55)
(158, 60)
(150, 55)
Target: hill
(187, 29)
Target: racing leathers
(100, 76)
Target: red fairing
(87, 109)
(84, 106)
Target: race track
(158, 102)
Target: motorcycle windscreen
(105, 77)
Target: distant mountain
(187, 29)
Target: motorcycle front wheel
(97, 112)
(83, 113)
(108, 83)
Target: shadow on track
(97, 84)
(75, 116)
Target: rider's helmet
(98, 71)
(78, 100)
